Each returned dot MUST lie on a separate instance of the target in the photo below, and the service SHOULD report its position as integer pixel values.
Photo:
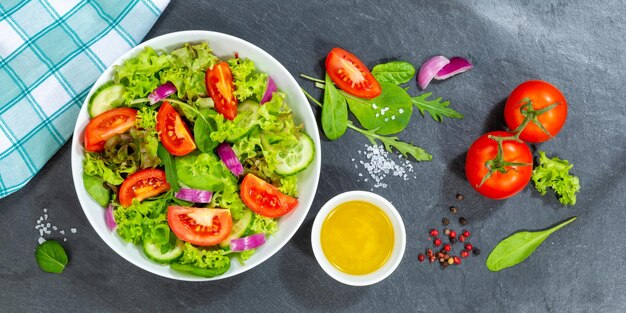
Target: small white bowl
(398, 247)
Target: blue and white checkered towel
(51, 52)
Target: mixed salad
(193, 157)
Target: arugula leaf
(395, 72)
(51, 257)
(405, 148)
(519, 246)
(388, 113)
(96, 189)
(334, 112)
(170, 169)
(554, 173)
(436, 108)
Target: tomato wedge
(142, 185)
(351, 75)
(200, 226)
(264, 198)
(219, 84)
(173, 132)
(107, 125)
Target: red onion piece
(109, 219)
(270, 88)
(429, 69)
(194, 195)
(228, 156)
(162, 92)
(456, 66)
(247, 243)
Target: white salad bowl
(223, 46)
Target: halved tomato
(200, 226)
(173, 132)
(264, 198)
(107, 125)
(219, 84)
(142, 185)
(351, 75)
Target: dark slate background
(576, 45)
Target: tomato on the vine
(498, 174)
(540, 106)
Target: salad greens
(334, 112)
(260, 135)
(395, 72)
(554, 173)
(519, 246)
(437, 108)
(51, 257)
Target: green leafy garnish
(96, 189)
(334, 112)
(389, 113)
(395, 72)
(51, 257)
(170, 168)
(404, 148)
(248, 82)
(554, 173)
(436, 108)
(202, 130)
(519, 246)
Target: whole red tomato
(542, 104)
(494, 174)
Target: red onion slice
(228, 156)
(456, 66)
(162, 92)
(429, 69)
(270, 88)
(194, 195)
(247, 243)
(109, 219)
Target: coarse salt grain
(379, 164)
(41, 240)
(73, 230)
(393, 117)
(401, 111)
(62, 232)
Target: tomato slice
(264, 198)
(173, 132)
(107, 125)
(142, 185)
(200, 226)
(219, 84)
(351, 75)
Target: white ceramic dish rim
(399, 238)
(285, 81)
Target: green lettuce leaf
(554, 173)
(203, 171)
(94, 165)
(248, 82)
(144, 221)
(262, 224)
(204, 258)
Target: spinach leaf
(334, 111)
(436, 108)
(395, 72)
(96, 189)
(519, 246)
(170, 169)
(388, 113)
(202, 134)
(51, 257)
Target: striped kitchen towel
(51, 52)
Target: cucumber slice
(153, 252)
(296, 159)
(105, 98)
(239, 228)
(247, 118)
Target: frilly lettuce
(138, 74)
(204, 258)
(144, 221)
(248, 82)
(94, 165)
(554, 173)
(262, 224)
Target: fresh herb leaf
(395, 72)
(519, 246)
(554, 173)
(405, 148)
(202, 130)
(334, 112)
(170, 169)
(388, 113)
(436, 108)
(51, 257)
(96, 189)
